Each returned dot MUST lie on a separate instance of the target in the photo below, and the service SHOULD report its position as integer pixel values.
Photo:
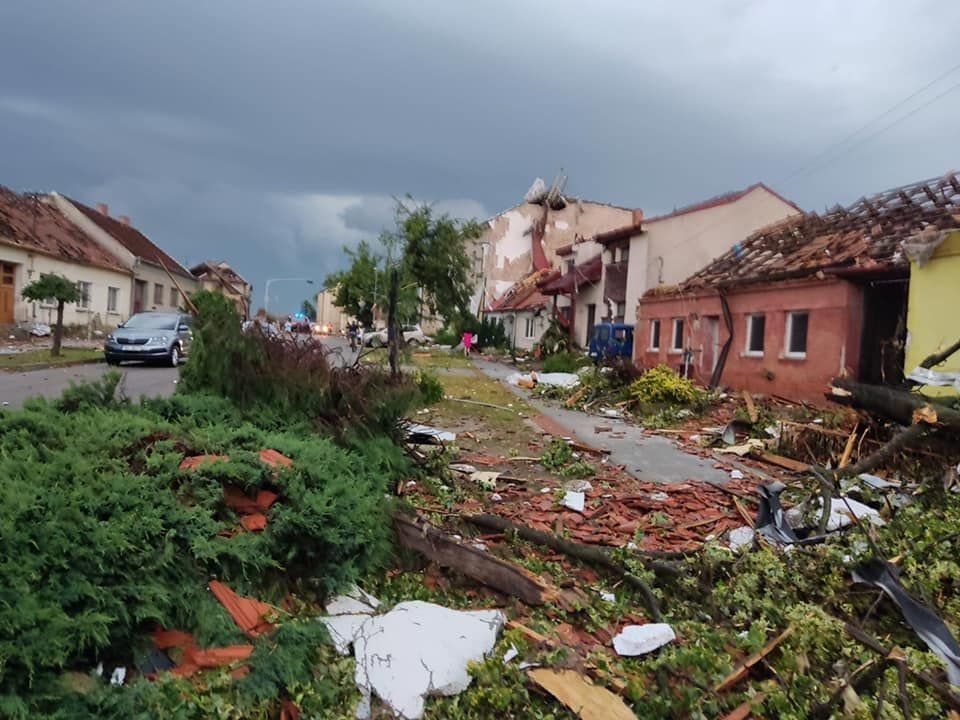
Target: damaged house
(801, 301)
(523, 310)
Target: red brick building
(800, 302)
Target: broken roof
(132, 239)
(863, 237)
(221, 271)
(29, 223)
(583, 274)
(523, 295)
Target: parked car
(412, 335)
(610, 340)
(150, 336)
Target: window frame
(747, 350)
(788, 336)
(675, 326)
(86, 294)
(158, 293)
(655, 336)
(174, 297)
(113, 293)
(529, 328)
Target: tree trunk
(897, 405)
(58, 331)
(392, 339)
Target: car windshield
(152, 321)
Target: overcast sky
(271, 133)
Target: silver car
(150, 336)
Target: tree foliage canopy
(51, 286)
(430, 252)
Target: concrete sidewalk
(646, 457)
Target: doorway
(7, 293)
(711, 344)
(883, 341)
(591, 320)
(139, 295)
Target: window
(85, 289)
(158, 294)
(797, 323)
(654, 334)
(6, 273)
(112, 294)
(174, 297)
(529, 330)
(624, 254)
(570, 265)
(621, 311)
(677, 344)
(756, 326)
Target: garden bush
(105, 538)
(567, 362)
(662, 386)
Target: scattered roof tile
(523, 295)
(27, 222)
(862, 237)
(132, 239)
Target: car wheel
(174, 356)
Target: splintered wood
(589, 701)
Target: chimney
(103, 209)
(124, 219)
(637, 217)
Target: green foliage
(104, 538)
(490, 331)
(661, 385)
(309, 310)
(50, 286)
(362, 285)
(557, 455)
(283, 380)
(431, 389)
(567, 362)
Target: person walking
(467, 343)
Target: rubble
(589, 701)
(642, 639)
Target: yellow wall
(933, 310)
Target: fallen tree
(899, 405)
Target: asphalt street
(140, 380)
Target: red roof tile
(863, 237)
(220, 271)
(523, 295)
(132, 239)
(27, 222)
(584, 274)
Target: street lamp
(266, 288)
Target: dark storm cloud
(272, 133)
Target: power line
(896, 106)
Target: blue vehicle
(610, 340)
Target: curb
(49, 366)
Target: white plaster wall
(156, 276)
(515, 325)
(587, 295)
(677, 247)
(31, 265)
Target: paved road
(646, 457)
(141, 380)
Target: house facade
(524, 312)
(217, 276)
(158, 281)
(35, 238)
(525, 239)
(800, 302)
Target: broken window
(158, 294)
(654, 334)
(112, 295)
(756, 326)
(677, 344)
(797, 323)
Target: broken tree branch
(477, 564)
(586, 553)
(950, 698)
(938, 357)
(897, 405)
(741, 670)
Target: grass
(438, 359)
(43, 357)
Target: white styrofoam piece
(642, 639)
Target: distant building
(36, 238)
(218, 276)
(159, 281)
(329, 314)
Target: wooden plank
(741, 671)
(848, 449)
(751, 407)
(744, 709)
(474, 563)
(529, 633)
(784, 462)
(582, 447)
(589, 701)
(743, 513)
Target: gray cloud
(271, 134)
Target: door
(591, 320)
(711, 346)
(139, 295)
(6, 293)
